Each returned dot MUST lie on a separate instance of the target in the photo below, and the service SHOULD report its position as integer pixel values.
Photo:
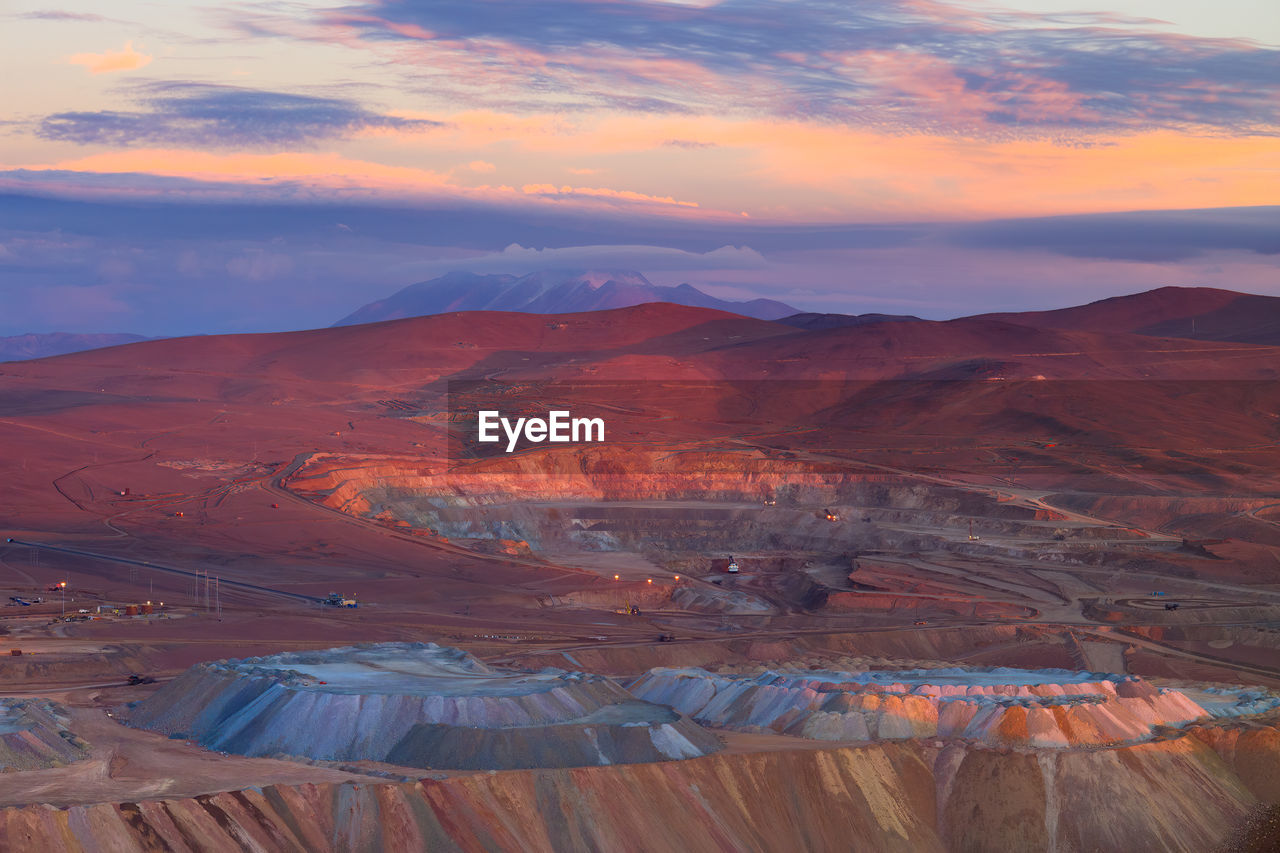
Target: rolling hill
(1199, 313)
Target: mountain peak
(548, 292)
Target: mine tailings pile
(934, 760)
(417, 705)
(996, 706)
(34, 735)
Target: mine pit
(807, 538)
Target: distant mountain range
(1198, 313)
(816, 322)
(23, 347)
(564, 292)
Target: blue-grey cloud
(173, 266)
(60, 15)
(904, 66)
(185, 209)
(204, 115)
(1157, 236)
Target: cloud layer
(203, 267)
(203, 116)
(921, 66)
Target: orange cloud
(112, 60)
(798, 169)
(331, 172)
(925, 176)
(603, 192)
(771, 169)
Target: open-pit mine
(982, 585)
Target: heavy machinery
(337, 599)
(136, 679)
(733, 566)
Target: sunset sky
(175, 167)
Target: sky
(178, 167)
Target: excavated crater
(34, 736)
(997, 706)
(418, 705)
(666, 505)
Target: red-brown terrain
(1028, 491)
(1203, 313)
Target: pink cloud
(111, 60)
